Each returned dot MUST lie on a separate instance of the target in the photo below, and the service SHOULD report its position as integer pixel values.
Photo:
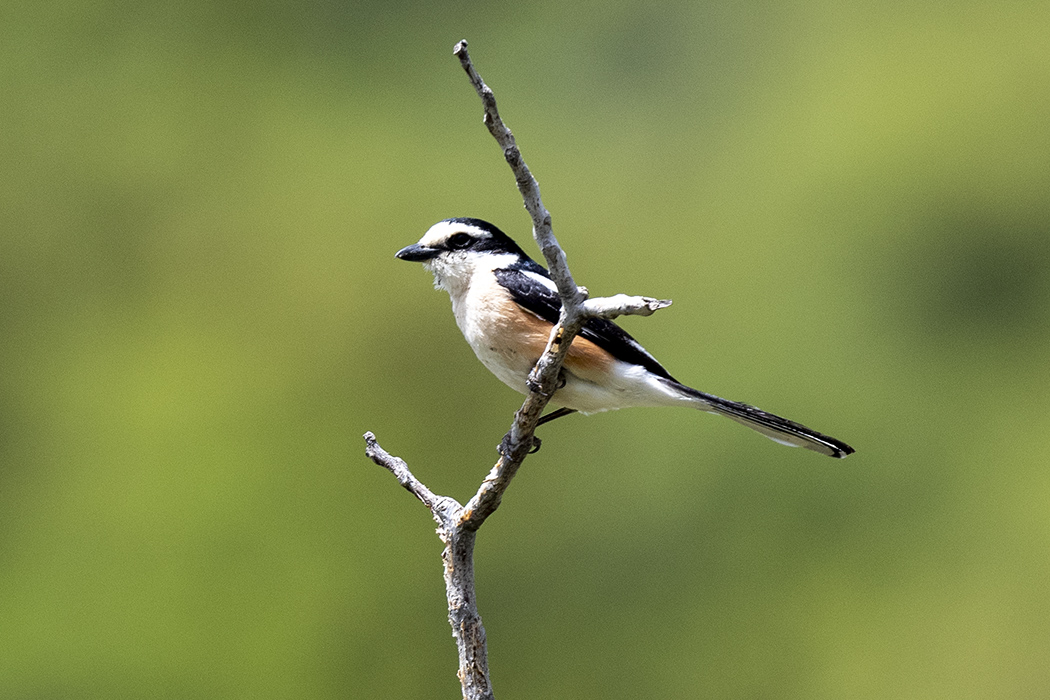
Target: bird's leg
(558, 413)
(536, 442)
(555, 414)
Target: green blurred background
(200, 314)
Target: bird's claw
(536, 442)
(503, 448)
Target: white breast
(507, 339)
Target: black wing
(544, 301)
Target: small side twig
(442, 507)
(623, 305)
(397, 467)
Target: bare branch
(442, 507)
(543, 380)
(623, 305)
(463, 613)
(576, 309)
(459, 573)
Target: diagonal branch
(576, 310)
(527, 185)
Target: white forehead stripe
(439, 232)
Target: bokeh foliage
(200, 313)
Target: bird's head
(456, 249)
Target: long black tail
(778, 429)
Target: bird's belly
(588, 390)
(509, 340)
(624, 385)
(506, 362)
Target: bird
(506, 304)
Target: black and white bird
(506, 304)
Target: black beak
(417, 253)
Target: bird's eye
(459, 241)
